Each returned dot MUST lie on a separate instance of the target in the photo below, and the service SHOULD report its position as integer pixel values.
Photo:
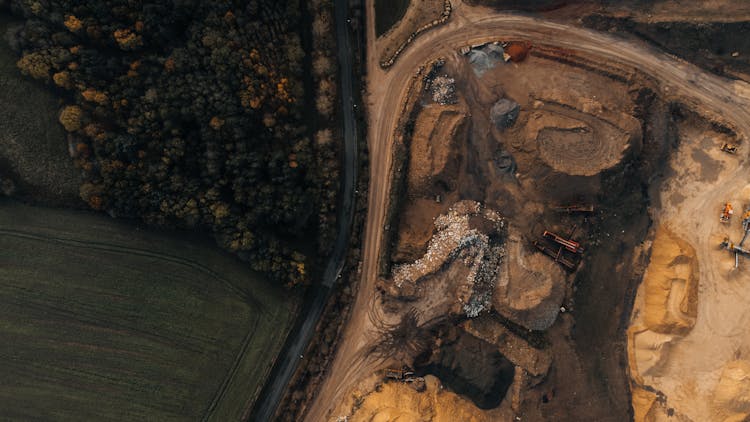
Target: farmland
(103, 321)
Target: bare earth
(705, 375)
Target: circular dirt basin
(582, 152)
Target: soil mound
(671, 285)
(530, 287)
(732, 394)
(665, 310)
(504, 113)
(581, 139)
(434, 148)
(400, 402)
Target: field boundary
(135, 251)
(387, 60)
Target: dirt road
(720, 99)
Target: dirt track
(720, 99)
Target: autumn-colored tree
(70, 117)
(127, 39)
(73, 23)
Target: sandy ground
(695, 219)
(689, 370)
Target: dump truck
(726, 213)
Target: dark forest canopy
(185, 113)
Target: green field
(388, 13)
(101, 321)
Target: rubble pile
(504, 113)
(444, 90)
(485, 57)
(456, 240)
(453, 233)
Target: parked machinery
(567, 254)
(729, 149)
(726, 213)
(738, 249)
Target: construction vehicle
(570, 245)
(557, 256)
(736, 249)
(727, 213)
(399, 374)
(565, 244)
(575, 208)
(729, 149)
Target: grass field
(387, 13)
(101, 321)
(33, 146)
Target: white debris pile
(452, 233)
(444, 90)
(456, 240)
(484, 281)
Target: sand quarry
(493, 150)
(688, 338)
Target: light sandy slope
(717, 97)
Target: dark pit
(469, 367)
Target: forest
(192, 114)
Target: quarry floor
(689, 202)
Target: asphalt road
(301, 335)
(719, 98)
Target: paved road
(719, 98)
(315, 302)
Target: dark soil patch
(388, 13)
(470, 367)
(525, 5)
(710, 45)
(589, 379)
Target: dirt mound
(434, 148)
(400, 402)
(732, 394)
(530, 287)
(434, 164)
(670, 285)
(579, 136)
(665, 310)
(504, 113)
(517, 51)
